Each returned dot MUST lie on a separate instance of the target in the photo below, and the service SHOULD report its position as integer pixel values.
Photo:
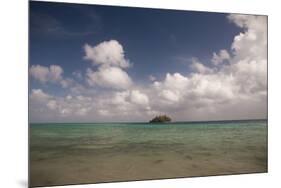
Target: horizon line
(194, 121)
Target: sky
(92, 63)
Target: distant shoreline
(141, 122)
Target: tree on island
(160, 119)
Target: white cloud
(249, 65)
(139, 98)
(109, 53)
(52, 105)
(222, 56)
(175, 81)
(115, 105)
(78, 75)
(39, 96)
(55, 73)
(52, 74)
(217, 87)
(170, 91)
(66, 83)
(252, 43)
(125, 104)
(40, 73)
(151, 78)
(197, 66)
(83, 111)
(110, 58)
(176, 89)
(119, 98)
(170, 95)
(44, 106)
(46, 74)
(109, 77)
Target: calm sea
(73, 153)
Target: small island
(160, 119)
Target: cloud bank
(231, 85)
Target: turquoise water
(104, 152)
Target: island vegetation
(161, 119)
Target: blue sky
(155, 42)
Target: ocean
(79, 153)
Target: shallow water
(105, 152)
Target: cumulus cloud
(139, 98)
(251, 44)
(115, 105)
(52, 104)
(67, 82)
(38, 95)
(172, 88)
(77, 74)
(110, 59)
(44, 106)
(109, 77)
(122, 105)
(109, 53)
(40, 73)
(151, 78)
(222, 56)
(55, 72)
(171, 96)
(177, 90)
(249, 64)
(46, 74)
(197, 66)
(52, 74)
